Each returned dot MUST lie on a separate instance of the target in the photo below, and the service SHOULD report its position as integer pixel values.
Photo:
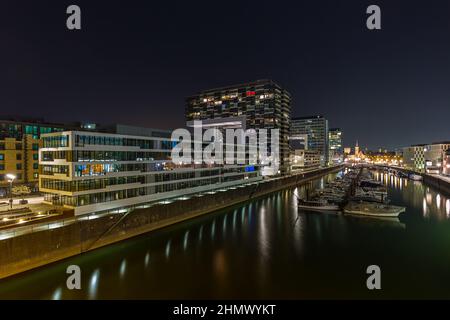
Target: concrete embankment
(437, 183)
(28, 251)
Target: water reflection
(273, 251)
(147, 259)
(185, 240)
(213, 230)
(263, 230)
(432, 204)
(224, 224)
(57, 294)
(123, 268)
(447, 207)
(93, 283)
(167, 251)
(200, 233)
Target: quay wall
(28, 251)
(436, 183)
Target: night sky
(135, 62)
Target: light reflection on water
(266, 249)
(57, 294)
(415, 195)
(93, 284)
(147, 259)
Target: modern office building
(316, 130)
(426, 157)
(304, 160)
(446, 163)
(336, 149)
(19, 146)
(434, 155)
(413, 157)
(261, 104)
(95, 172)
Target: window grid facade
(91, 177)
(263, 104)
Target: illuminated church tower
(356, 149)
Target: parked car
(23, 201)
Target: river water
(267, 248)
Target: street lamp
(11, 178)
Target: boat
(415, 177)
(401, 174)
(317, 205)
(373, 209)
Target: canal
(267, 248)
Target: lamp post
(11, 178)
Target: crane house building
(262, 104)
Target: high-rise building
(336, 150)
(316, 130)
(19, 147)
(260, 104)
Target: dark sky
(134, 62)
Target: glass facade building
(92, 172)
(315, 131)
(414, 157)
(336, 149)
(19, 146)
(261, 104)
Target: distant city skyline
(138, 64)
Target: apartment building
(19, 147)
(262, 104)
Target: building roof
(35, 121)
(308, 117)
(236, 86)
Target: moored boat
(415, 177)
(317, 205)
(373, 209)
